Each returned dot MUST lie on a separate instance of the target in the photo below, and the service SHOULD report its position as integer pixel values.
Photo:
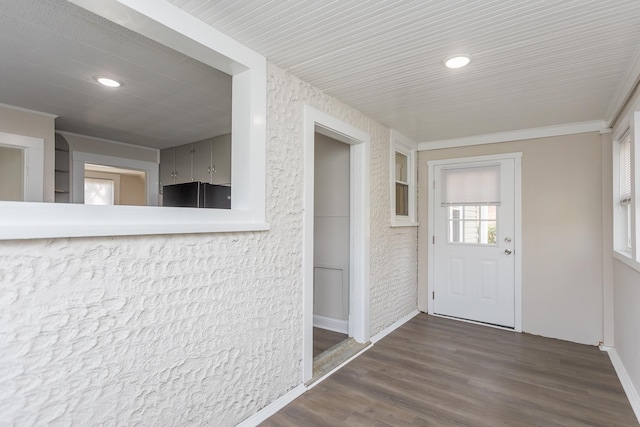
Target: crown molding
(26, 110)
(515, 135)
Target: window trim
(169, 25)
(403, 145)
(621, 221)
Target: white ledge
(22, 220)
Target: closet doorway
(331, 243)
(336, 244)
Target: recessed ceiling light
(106, 81)
(457, 61)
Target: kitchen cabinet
(212, 160)
(167, 166)
(176, 165)
(202, 166)
(207, 161)
(183, 164)
(221, 160)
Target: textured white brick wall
(184, 329)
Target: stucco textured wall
(393, 265)
(184, 329)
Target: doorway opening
(108, 185)
(331, 248)
(336, 251)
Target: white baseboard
(274, 407)
(331, 324)
(625, 380)
(377, 337)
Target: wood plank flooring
(440, 372)
(323, 340)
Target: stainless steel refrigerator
(197, 195)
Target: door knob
(507, 252)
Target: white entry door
(474, 225)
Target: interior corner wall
(177, 329)
(561, 232)
(35, 125)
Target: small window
(403, 181)
(98, 191)
(402, 185)
(624, 198)
(623, 195)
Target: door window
(472, 224)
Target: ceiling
(534, 63)
(52, 51)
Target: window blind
(625, 170)
(471, 186)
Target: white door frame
(517, 158)
(317, 121)
(33, 167)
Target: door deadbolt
(507, 239)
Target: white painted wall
(331, 229)
(185, 329)
(562, 238)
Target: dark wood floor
(323, 340)
(440, 372)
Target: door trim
(359, 304)
(517, 158)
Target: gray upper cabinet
(167, 166)
(176, 165)
(221, 160)
(202, 152)
(207, 161)
(183, 164)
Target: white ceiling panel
(534, 63)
